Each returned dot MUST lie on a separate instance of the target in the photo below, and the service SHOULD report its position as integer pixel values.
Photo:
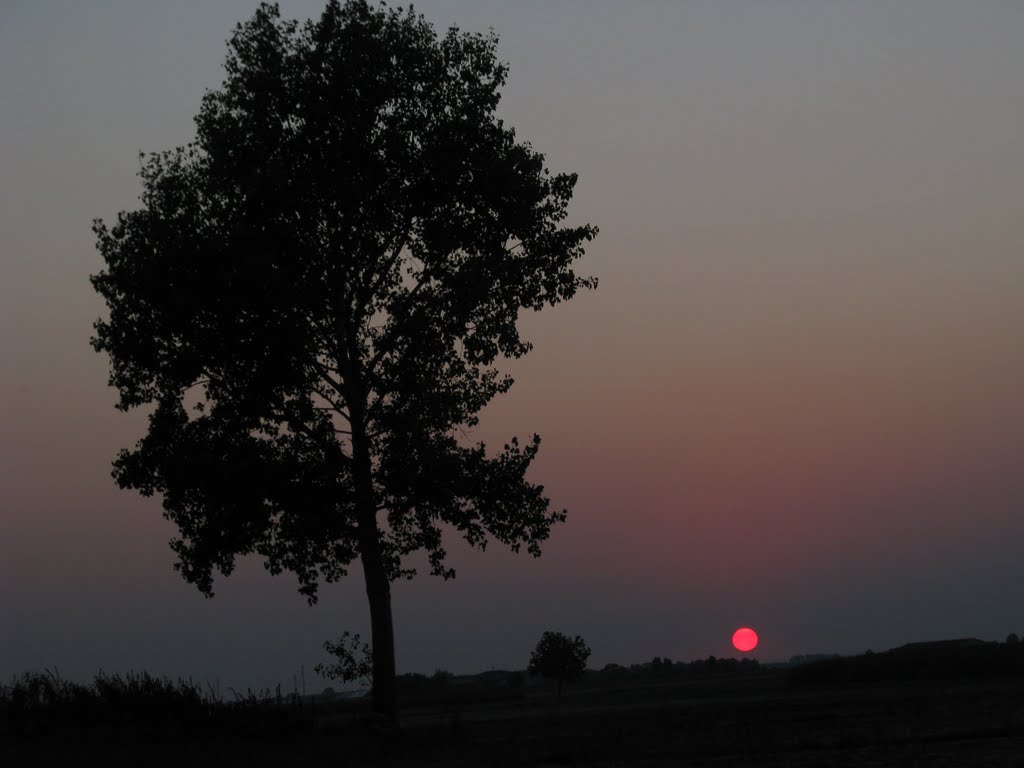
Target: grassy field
(758, 718)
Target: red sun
(744, 639)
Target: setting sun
(744, 639)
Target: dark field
(756, 718)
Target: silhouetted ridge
(937, 660)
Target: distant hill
(935, 660)
(929, 646)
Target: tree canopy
(314, 297)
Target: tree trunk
(378, 585)
(378, 592)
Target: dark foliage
(313, 299)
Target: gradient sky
(795, 401)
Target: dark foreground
(763, 718)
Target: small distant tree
(557, 657)
(353, 660)
(1012, 638)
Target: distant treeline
(943, 660)
(498, 684)
(656, 667)
(662, 667)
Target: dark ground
(759, 718)
(756, 720)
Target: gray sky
(794, 401)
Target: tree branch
(396, 252)
(371, 367)
(325, 375)
(200, 382)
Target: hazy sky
(795, 401)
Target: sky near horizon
(794, 401)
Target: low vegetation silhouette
(313, 299)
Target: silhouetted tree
(558, 657)
(1012, 638)
(313, 297)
